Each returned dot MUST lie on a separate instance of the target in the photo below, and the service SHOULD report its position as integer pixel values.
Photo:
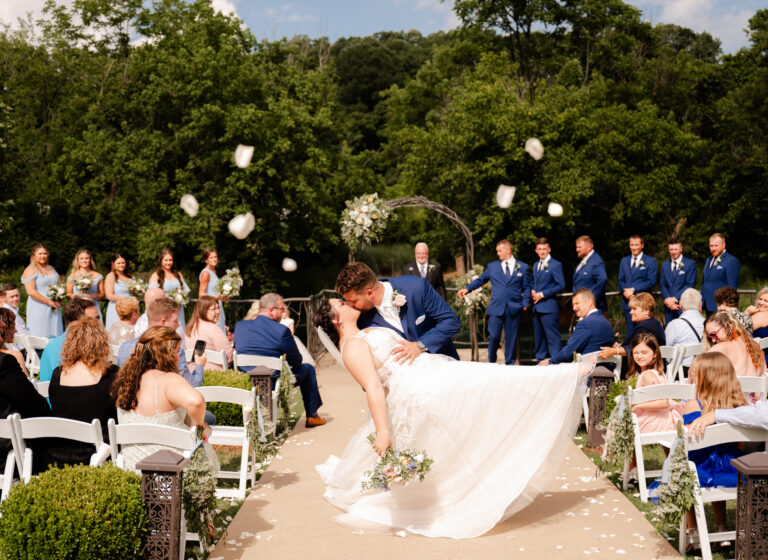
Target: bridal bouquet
(83, 283)
(229, 285)
(179, 296)
(396, 467)
(137, 287)
(363, 220)
(56, 292)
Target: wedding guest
(265, 336)
(203, 325)
(510, 297)
(426, 268)
(127, 309)
(726, 335)
(148, 389)
(83, 270)
(637, 274)
(592, 332)
(645, 362)
(720, 269)
(678, 273)
(142, 323)
(253, 311)
(168, 278)
(642, 311)
(73, 311)
(762, 302)
(116, 286)
(43, 314)
(7, 330)
(209, 281)
(12, 297)
(590, 273)
(548, 281)
(80, 387)
(688, 328)
(727, 299)
(759, 314)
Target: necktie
(675, 266)
(423, 270)
(541, 266)
(634, 262)
(506, 268)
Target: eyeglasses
(713, 335)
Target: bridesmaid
(168, 278)
(209, 283)
(43, 314)
(83, 266)
(116, 286)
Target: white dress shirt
(584, 260)
(390, 313)
(542, 262)
(21, 326)
(747, 416)
(508, 263)
(678, 332)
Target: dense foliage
(646, 129)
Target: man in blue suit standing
(721, 269)
(590, 273)
(591, 333)
(548, 281)
(678, 273)
(408, 305)
(510, 296)
(637, 274)
(266, 336)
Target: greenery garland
(260, 432)
(619, 434)
(618, 389)
(199, 493)
(679, 486)
(287, 381)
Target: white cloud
(289, 13)
(224, 7)
(12, 10)
(447, 18)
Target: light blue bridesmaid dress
(121, 290)
(43, 320)
(168, 286)
(94, 289)
(212, 290)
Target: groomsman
(637, 274)
(430, 270)
(590, 273)
(510, 296)
(548, 281)
(678, 273)
(721, 269)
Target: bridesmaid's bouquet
(179, 296)
(137, 287)
(56, 292)
(83, 282)
(229, 285)
(396, 467)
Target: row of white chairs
(31, 344)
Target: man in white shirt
(11, 296)
(689, 327)
(750, 416)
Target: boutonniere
(719, 259)
(545, 266)
(641, 263)
(430, 268)
(517, 265)
(398, 299)
(681, 266)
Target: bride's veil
(330, 346)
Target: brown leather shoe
(314, 421)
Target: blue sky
(274, 19)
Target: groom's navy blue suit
(426, 317)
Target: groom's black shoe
(314, 421)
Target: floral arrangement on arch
(476, 300)
(363, 220)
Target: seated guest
(142, 323)
(203, 325)
(725, 334)
(265, 336)
(642, 310)
(688, 328)
(592, 332)
(762, 302)
(10, 292)
(80, 387)
(127, 309)
(727, 299)
(7, 330)
(759, 314)
(73, 311)
(148, 389)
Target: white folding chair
(716, 434)
(42, 387)
(20, 341)
(762, 343)
(234, 436)
(755, 384)
(7, 431)
(688, 351)
(32, 344)
(253, 360)
(674, 356)
(218, 357)
(64, 428)
(330, 347)
(586, 358)
(675, 391)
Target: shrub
(77, 512)
(227, 414)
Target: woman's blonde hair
(156, 349)
(32, 260)
(734, 330)
(253, 311)
(76, 267)
(86, 342)
(645, 301)
(716, 382)
(200, 313)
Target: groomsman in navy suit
(721, 269)
(637, 274)
(678, 273)
(548, 281)
(406, 304)
(510, 296)
(590, 273)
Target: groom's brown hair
(355, 276)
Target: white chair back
(150, 434)
(253, 360)
(42, 387)
(754, 384)
(330, 347)
(32, 344)
(13, 459)
(674, 357)
(675, 391)
(217, 357)
(763, 343)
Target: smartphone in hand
(199, 348)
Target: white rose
(364, 208)
(419, 458)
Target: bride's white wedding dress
(496, 433)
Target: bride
(496, 433)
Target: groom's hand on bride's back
(406, 352)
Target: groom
(406, 304)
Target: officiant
(428, 269)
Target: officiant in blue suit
(510, 296)
(548, 281)
(406, 304)
(637, 274)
